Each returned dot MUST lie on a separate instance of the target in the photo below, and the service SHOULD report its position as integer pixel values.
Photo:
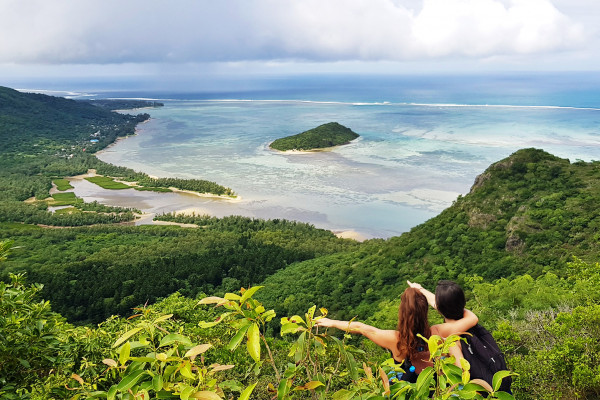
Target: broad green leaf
(293, 349)
(464, 364)
(269, 315)
(343, 394)
(163, 318)
(504, 396)
(232, 296)
(169, 370)
(186, 392)
(137, 344)
(126, 336)
(352, 366)
(130, 380)
(234, 386)
(205, 395)
(194, 351)
(400, 393)
(205, 325)
(311, 313)
(253, 344)
(186, 371)
(465, 394)
(474, 387)
(466, 377)
(312, 385)
(124, 353)
(284, 388)
(424, 381)
(290, 371)
(112, 392)
(247, 392)
(237, 338)
(497, 379)
(249, 293)
(296, 319)
(157, 383)
(441, 381)
(290, 327)
(174, 338)
(433, 344)
(450, 342)
(453, 373)
(299, 354)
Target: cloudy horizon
(135, 38)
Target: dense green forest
(326, 135)
(123, 104)
(523, 243)
(45, 138)
(93, 272)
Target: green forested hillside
(46, 125)
(92, 273)
(326, 135)
(510, 242)
(529, 213)
(45, 137)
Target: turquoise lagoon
(423, 141)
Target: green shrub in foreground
(153, 362)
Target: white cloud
(111, 31)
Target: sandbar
(350, 234)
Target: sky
(178, 40)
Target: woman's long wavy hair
(412, 320)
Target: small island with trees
(323, 136)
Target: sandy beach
(350, 235)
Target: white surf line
(386, 103)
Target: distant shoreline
(120, 138)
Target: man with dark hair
(480, 348)
(449, 300)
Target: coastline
(319, 150)
(312, 151)
(182, 206)
(152, 208)
(117, 140)
(350, 234)
(92, 173)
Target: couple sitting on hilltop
(403, 343)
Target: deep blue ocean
(423, 140)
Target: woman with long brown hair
(404, 343)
